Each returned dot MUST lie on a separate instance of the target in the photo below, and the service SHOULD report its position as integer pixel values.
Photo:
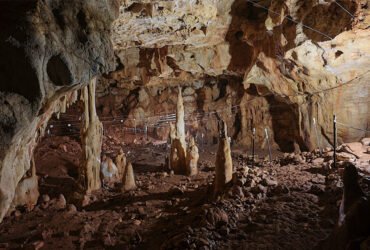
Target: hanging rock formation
(128, 180)
(192, 157)
(91, 139)
(48, 49)
(178, 144)
(224, 164)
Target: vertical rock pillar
(224, 164)
(192, 157)
(178, 144)
(92, 138)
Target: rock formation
(192, 157)
(178, 144)
(27, 192)
(128, 181)
(260, 69)
(92, 139)
(48, 50)
(354, 220)
(121, 163)
(108, 171)
(224, 164)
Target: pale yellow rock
(128, 180)
(92, 138)
(192, 157)
(27, 191)
(109, 171)
(178, 143)
(224, 164)
(121, 163)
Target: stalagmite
(224, 165)
(192, 157)
(180, 118)
(121, 163)
(109, 171)
(128, 180)
(178, 143)
(27, 191)
(91, 137)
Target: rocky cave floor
(290, 204)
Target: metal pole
(335, 140)
(317, 136)
(268, 143)
(253, 142)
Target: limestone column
(178, 144)
(224, 164)
(92, 139)
(192, 157)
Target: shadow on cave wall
(285, 125)
(16, 72)
(331, 20)
(242, 54)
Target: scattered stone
(318, 161)
(60, 202)
(71, 208)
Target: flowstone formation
(224, 163)
(91, 139)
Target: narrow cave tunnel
(235, 125)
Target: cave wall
(282, 72)
(48, 49)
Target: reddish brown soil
(175, 212)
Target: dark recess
(58, 71)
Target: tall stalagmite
(192, 157)
(92, 138)
(178, 144)
(224, 164)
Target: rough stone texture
(91, 139)
(128, 180)
(121, 163)
(178, 143)
(239, 54)
(108, 171)
(48, 49)
(224, 163)
(192, 157)
(27, 192)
